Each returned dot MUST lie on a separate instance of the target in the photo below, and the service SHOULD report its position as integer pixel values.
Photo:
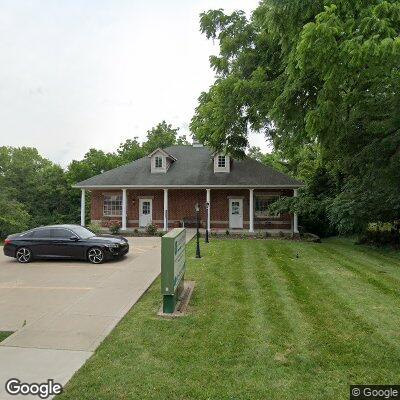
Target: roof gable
(163, 152)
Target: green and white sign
(173, 267)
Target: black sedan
(64, 242)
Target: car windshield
(83, 232)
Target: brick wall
(181, 205)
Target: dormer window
(158, 162)
(221, 161)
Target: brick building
(164, 188)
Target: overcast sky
(76, 74)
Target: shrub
(113, 226)
(227, 233)
(94, 227)
(151, 230)
(381, 234)
(310, 237)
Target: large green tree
(162, 135)
(313, 73)
(13, 215)
(36, 190)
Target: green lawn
(264, 324)
(4, 334)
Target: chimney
(196, 143)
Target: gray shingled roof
(194, 167)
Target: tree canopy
(317, 77)
(35, 191)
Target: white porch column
(124, 201)
(83, 207)
(165, 210)
(208, 200)
(251, 210)
(295, 218)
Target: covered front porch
(238, 209)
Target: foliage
(35, 186)
(94, 162)
(13, 216)
(114, 226)
(95, 228)
(35, 191)
(381, 234)
(162, 135)
(274, 159)
(129, 151)
(151, 229)
(313, 74)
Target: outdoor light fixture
(207, 206)
(197, 209)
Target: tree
(94, 162)
(130, 151)
(13, 216)
(162, 135)
(313, 74)
(273, 159)
(36, 191)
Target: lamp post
(197, 208)
(207, 205)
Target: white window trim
(265, 196)
(226, 168)
(111, 215)
(157, 158)
(221, 158)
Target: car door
(64, 246)
(41, 243)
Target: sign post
(173, 267)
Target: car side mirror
(74, 238)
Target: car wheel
(95, 255)
(23, 255)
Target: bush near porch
(264, 324)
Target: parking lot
(60, 311)
(72, 304)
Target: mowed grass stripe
(283, 331)
(380, 308)
(370, 271)
(263, 324)
(370, 254)
(346, 346)
(338, 329)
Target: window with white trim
(158, 162)
(112, 205)
(261, 205)
(221, 161)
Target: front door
(236, 213)
(145, 212)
